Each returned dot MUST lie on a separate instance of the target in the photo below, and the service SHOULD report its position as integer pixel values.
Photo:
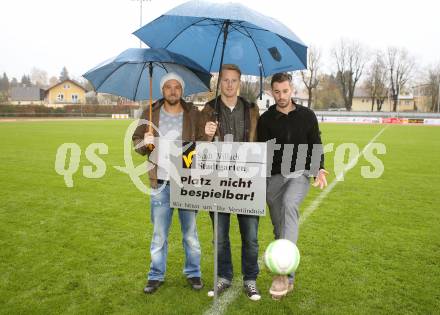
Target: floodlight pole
(140, 17)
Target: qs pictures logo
(188, 151)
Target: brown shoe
(280, 287)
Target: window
(74, 98)
(60, 97)
(67, 86)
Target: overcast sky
(79, 34)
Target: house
(301, 97)
(21, 95)
(423, 99)
(266, 100)
(362, 102)
(63, 93)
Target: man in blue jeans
(176, 120)
(237, 118)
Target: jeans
(161, 216)
(249, 246)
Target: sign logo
(187, 155)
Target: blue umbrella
(136, 73)
(134, 70)
(217, 33)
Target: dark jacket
(189, 132)
(298, 127)
(251, 116)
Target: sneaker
(250, 287)
(196, 283)
(152, 286)
(222, 286)
(280, 287)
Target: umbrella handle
(150, 112)
(150, 117)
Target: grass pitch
(371, 247)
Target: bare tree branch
(376, 82)
(400, 66)
(350, 59)
(310, 76)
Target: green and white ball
(282, 257)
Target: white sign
(120, 116)
(352, 119)
(432, 121)
(225, 177)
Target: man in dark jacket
(175, 120)
(238, 118)
(295, 128)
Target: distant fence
(49, 115)
(95, 111)
(378, 117)
(378, 114)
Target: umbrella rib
(162, 64)
(252, 27)
(258, 52)
(139, 79)
(184, 29)
(165, 68)
(215, 47)
(110, 74)
(214, 22)
(284, 41)
(157, 64)
(239, 30)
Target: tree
(53, 80)
(434, 87)
(399, 65)
(64, 75)
(4, 83)
(13, 83)
(249, 88)
(87, 85)
(310, 76)
(350, 61)
(376, 82)
(26, 81)
(39, 77)
(328, 94)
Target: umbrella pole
(215, 255)
(225, 37)
(150, 113)
(216, 106)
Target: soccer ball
(282, 257)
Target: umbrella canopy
(215, 33)
(130, 73)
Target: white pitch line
(231, 294)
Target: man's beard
(172, 101)
(283, 104)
